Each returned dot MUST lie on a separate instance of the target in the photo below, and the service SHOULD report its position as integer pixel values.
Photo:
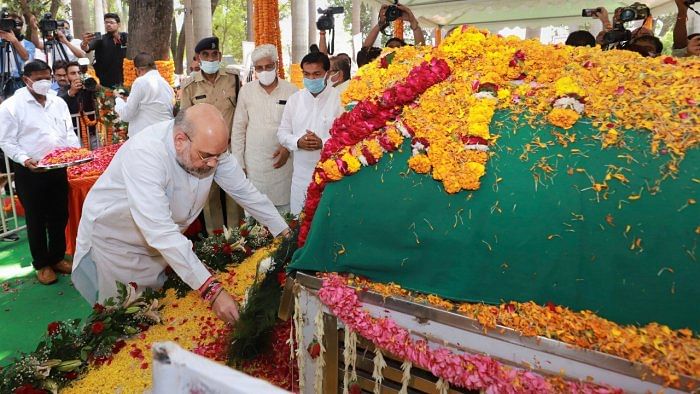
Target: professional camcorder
(6, 23)
(618, 34)
(326, 20)
(48, 25)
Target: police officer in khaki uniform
(219, 87)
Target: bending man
(156, 185)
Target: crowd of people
(233, 149)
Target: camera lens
(627, 15)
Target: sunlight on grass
(12, 271)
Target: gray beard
(203, 173)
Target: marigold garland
(267, 29)
(166, 69)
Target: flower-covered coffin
(493, 169)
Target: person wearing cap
(254, 138)
(217, 86)
(150, 100)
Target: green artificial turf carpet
(26, 306)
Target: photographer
(110, 51)
(80, 100)
(68, 46)
(384, 21)
(684, 44)
(15, 51)
(604, 17)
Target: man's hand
(382, 14)
(310, 141)
(694, 46)
(286, 233)
(282, 154)
(681, 5)
(407, 15)
(87, 37)
(603, 16)
(32, 164)
(75, 87)
(33, 23)
(61, 37)
(225, 307)
(8, 36)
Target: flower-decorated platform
(548, 189)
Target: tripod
(4, 66)
(56, 49)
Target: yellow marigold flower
(354, 165)
(610, 138)
(331, 169)
(420, 164)
(563, 117)
(566, 86)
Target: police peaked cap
(207, 43)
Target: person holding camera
(15, 50)
(684, 44)
(602, 14)
(110, 51)
(80, 100)
(388, 14)
(68, 48)
(32, 124)
(151, 98)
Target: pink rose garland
(470, 371)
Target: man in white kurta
(154, 188)
(151, 98)
(254, 136)
(307, 119)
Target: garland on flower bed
(667, 353)
(474, 372)
(69, 346)
(253, 331)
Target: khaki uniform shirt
(221, 94)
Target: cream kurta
(254, 138)
(306, 112)
(135, 214)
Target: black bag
(13, 83)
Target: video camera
(89, 83)
(635, 12)
(6, 23)
(393, 12)
(48, 25)
(326, 20)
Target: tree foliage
(229, 24)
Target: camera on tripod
(6, 23)
(635, 12)
(393, 12)
(48, 25)
(326, 20)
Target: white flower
(265, 266)
(404, 131)
(567, 102)
(484, 95)
(227, 233)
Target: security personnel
(217, 86)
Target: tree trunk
(313, 33)
(99, 16)
(300, 46)
(179, 53)
(173, 37)
(81, 19)
(250, 26)
(356, 24)
(189, 32)
(54, 7)
(150, 28)
(201, 19)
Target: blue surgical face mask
(209, 67)
(315, 86)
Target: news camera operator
(15, 50)
(388, 14)
(80, 98)
(60, 44)
(614, 34)
(684, 44)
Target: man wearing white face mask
(219, 87)
(254, 137)
(32, 124)
(306, 122)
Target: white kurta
(305, 112)
(135, 214)
(150, 101)
(254, 138)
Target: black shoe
(10, 238)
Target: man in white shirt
(154, 188)
(307, 119)
(61, 46)
(151, 98)
(32, 124)
(256, 120)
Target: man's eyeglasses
(209, 158)
(265, 67)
